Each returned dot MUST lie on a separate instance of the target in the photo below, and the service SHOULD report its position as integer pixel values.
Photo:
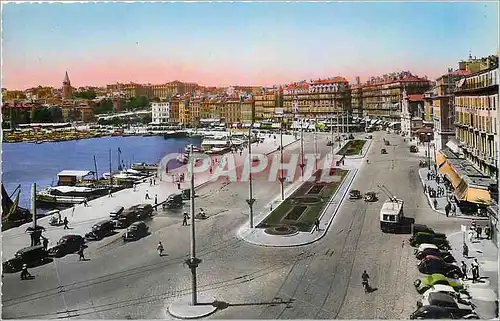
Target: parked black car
(144, 211)
(446, 256)
(430, 312)
(66, 245)
(433, 264)
(425, 229)
(413, 149)
(173, 201)
(422, 237)
(116, 212)
(31, 256)
(135, 231)
(101, 230)
(127, 217)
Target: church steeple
(66, 79)
(67, 90)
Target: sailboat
(12, 214)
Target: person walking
(454, 209)
(425, 188)
(85, 202)
(135, 186)
(185, 219)
(156, 199)
(465, 251)
(81, 256)
(479, 231)
(316, 225)
(147, 195)
(65, 222)
(45, 243)
(178, 185)
(447, 209)
(487, 232)
(463, 267)
(475, 270)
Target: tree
(88, 94)
(104, 106)
(41, 115)
(138, 103)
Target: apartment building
(174, 109)
(476, 119)
(357, 98)
(231, 110)
(265, 104)
(160, 112)
(185, 112)
(296, 100)
(165, 91)
(247, 111)
(328, 96)
(130, 90)
(381, 96)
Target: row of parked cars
(442, 298)
(131, 218)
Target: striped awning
(450, 174)
(440, 159)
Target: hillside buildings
(160, 112)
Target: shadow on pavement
(221, 305)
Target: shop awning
(450, 174)
(475, 195)
(440, 159)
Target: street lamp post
(429, 151)
(315, 147)
(302, 150)
(331, 132)
(193, 261)
(282, 178)
(250, 199)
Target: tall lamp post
(250, 199)
(331, 132)
(193, 261)
(429, 151)
(302, 164)
(282, 178)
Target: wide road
(321, 280)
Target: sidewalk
(485, 292)
(441, 201)
(258, 236)
(82, 218)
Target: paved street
(320, 280)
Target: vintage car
(354, 194)
(126, 218)
(351, 136)
(446, 256)
(424, 228)
(387, 143)
(433, 264)
(116, 212)
(383, 151)
(144, 211)
(31, 256)
(461, 297)
(413, 149)
(135, 231)
(173, 201)
(368, 136)
(66, 245)
(456, 309)
(427, 282)
(422, 237)
(430, 312)
(329, 143)
(100, 230)
(371, 197)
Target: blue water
(27, 163)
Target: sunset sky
(238, 43)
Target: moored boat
(175, 134)
(144, 167)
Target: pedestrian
(156, 199)
(447, 209)
(173, 178)
(150, 182)
(185, 219)
(465, 251)
(436, 204)
(147, 195)
(463, 267)
(454, 209)
(316, 225)
(65, 222)
(210, 169)
(471, 235)
(178, 185)
(487, 232)
(85, 202)
(479, 230)
(428, 176)
(45, 243)
(475, 270)
(135, 186)
(425, 188)
(81, 256)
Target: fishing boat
(12, 214)
(175, 134)
(67, 196)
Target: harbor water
(27, 163)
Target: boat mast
(95, 167)
(110, 171)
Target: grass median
(308, 202)
(352, 147)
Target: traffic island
(352, 148)
(184, 309)
(298, 212)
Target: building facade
(247, 111)
(476, 119)
(160, 112)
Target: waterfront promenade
(82, 218)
